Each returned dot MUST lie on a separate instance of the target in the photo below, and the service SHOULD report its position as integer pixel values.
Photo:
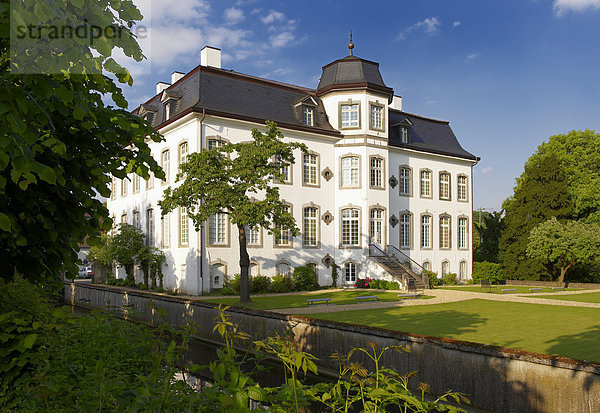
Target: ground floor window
(445, 268)
(462, 270)
(350, 272)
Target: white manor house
(381, 191)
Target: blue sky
(507, 74)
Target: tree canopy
(487, 229)
(237, 179)
(60, 143)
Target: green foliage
(434, 280)
(260, 284)
(60, 142)
(450, 279)
(233, 283)
(562, 245)
(305, 278)
(334, 274)
(487, 230)
(487, 270)
(541, 193)
(282, 283)
(126, 246)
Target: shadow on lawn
(583, 345)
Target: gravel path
(440, 297)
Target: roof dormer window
(307, 115)
(168, 105)
(404, 134)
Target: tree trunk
(563, 272)
(244, 267)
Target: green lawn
(299, 300)
(585, 297)
(557, 330)
(521, 289)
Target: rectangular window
(462, 188)
(376, 117)
(376, 227)
(217, 229)
(350, 172)
(376, 173)
(426, 184)
(166, 231)
(253, 236)
(426, 231)
(183, 227)
(124, 187)
(214, 143)
(150, 181)
(113, 189)
(183, 152)
(136, 219)
(136, 183)
(462, 233)
(349, 116)
(310, 169)
(350, 272)
(285, 171)
(405, 231)
(445, 232)
(445, 186)
(150, 227)
(307, 116)
(284, 239)
(310, 227)
(405, 183)
(165, 164)
(404, 134)
(168, 110)
(350, 227)
(124, 219)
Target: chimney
(210, 56)
(160, 86)
(175, 76)
(396, 103)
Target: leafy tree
(541, 193)
(127, 248)
(59, 142)
(226, 179)
(562, 245)
(487, 229)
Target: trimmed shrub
(233, 283)
(450, 279)
(363, 283)
(433, 279)
(282, 283)
(489, 270)
(260, 284)
(392, 285)
(305, 279)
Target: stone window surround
(220, 263)
(291, 244)
(466, 188)
(227, 244)
(431, 223)
(430, 196)
(360, 171)
(445, 215)
(382, 187)
(383, 222)
(179, 145)
(167, 172)
(318, 220)
(260, 238)
(467, 233)
(343, 268)
(286, 262)
(179, 222)
(318, 171)
(382, 106)
(449, 185)
(412, 230)
(410, 177)
(165, 228)
(349, 102)
(360, 218)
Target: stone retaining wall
(494, 378)
(549, 284)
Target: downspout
(201, 146)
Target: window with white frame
(376, 117)
(445, 268)
(310, 169)
(350, 172)
(150, 227)
(444, 185)
(165, 164)
(426, 183)
(113, 189)
(445, 232)
(349, 116)
(136, 219)
(376, 226)
(462, 232)
(253, 236)
(307, 115)
(405, 231)
(426, 265)
(426, 231)
(285, 172)
(183, 153)
(376, 172)
(214, 143)
(284, 237)
(217, 229)
(184, 233)
(124, 187)
(350, 227)
(462, 270)
(310, 227)
(136, 183)
(254, 269)
(150, 181)
(168, 109)
(462, 188)
(283, 268)
(166, 230)
(350, 271)
(405, 181)
(403, 134)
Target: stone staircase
(399, 266)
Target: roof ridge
(259, 79)
(419, 116)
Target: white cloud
(455, 24)
(429, 26)
(272, 17)
(487, 170)
(281, 39)
(233, 15)
(471, 57)
(563, 6)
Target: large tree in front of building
(541, 193)
(60, 143)
(487, 230)
(561, 245)
(237, 179)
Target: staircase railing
(410, 265)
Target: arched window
(165, 164)
(376, 226)
(350, 176)
(283, 268)
(427, 265)
(217, 274)
(183, 153)
(445, 267)
(350, 271)
(462, 270)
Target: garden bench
(367, 298)
(486, 285)
(508, 290)
(534, 289)
(558, 288)
(318, 301)
(403, 296)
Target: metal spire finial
(351, 45)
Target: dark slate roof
(352, 72)
(427, 135)
(226, 93)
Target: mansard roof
(425, 134)
(352, 72)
